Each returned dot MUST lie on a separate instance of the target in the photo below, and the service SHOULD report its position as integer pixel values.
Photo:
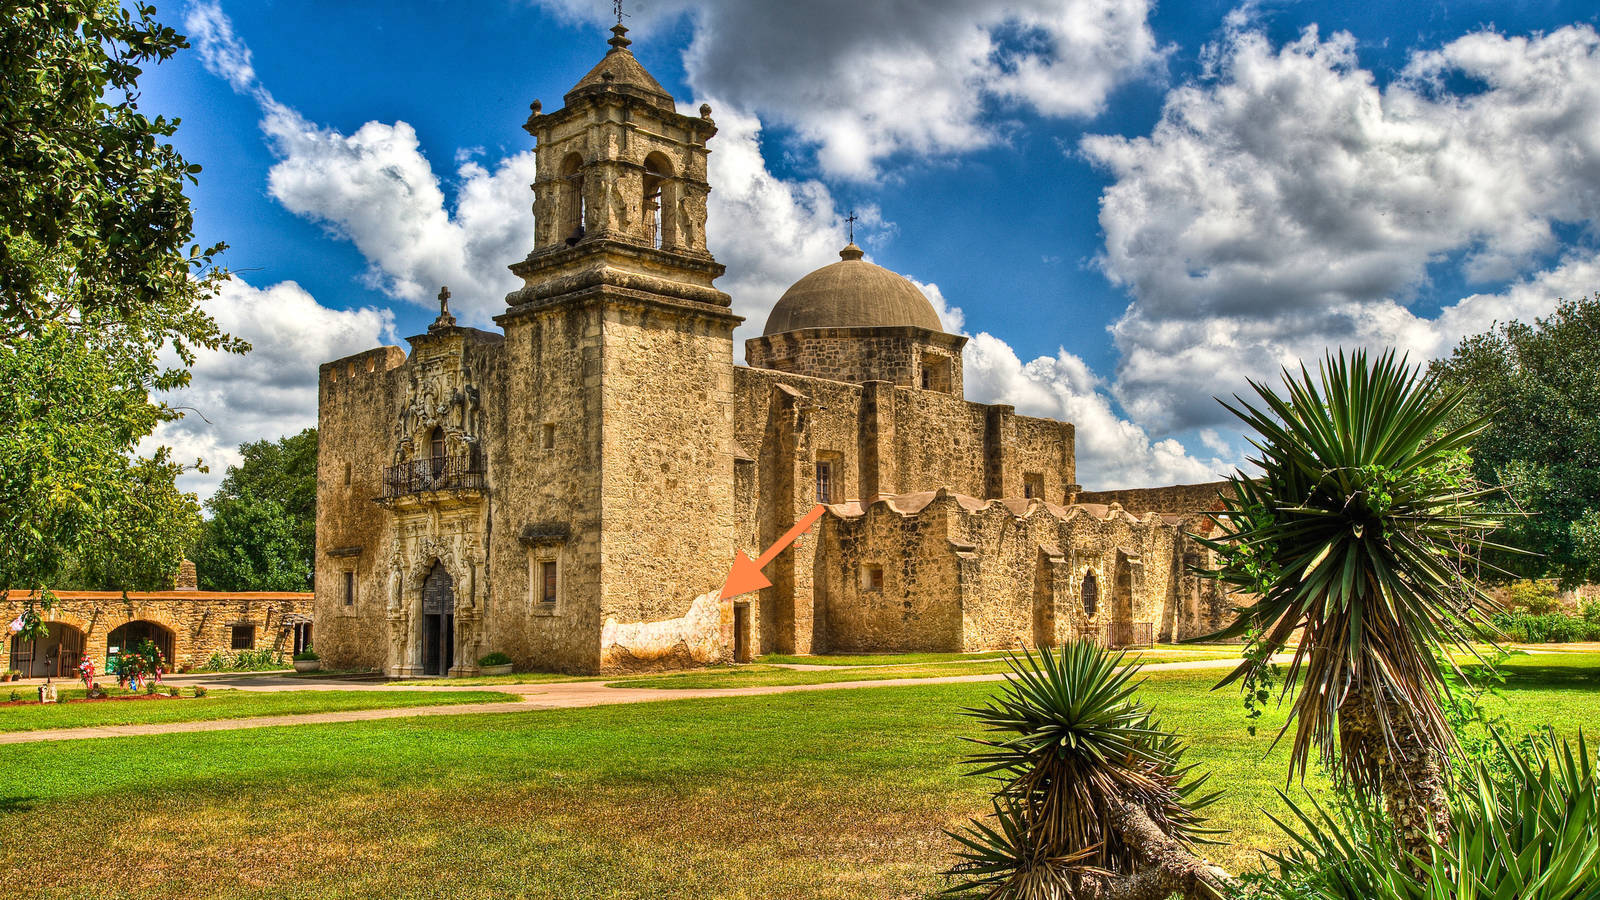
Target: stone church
(571, 488)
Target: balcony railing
(434, 473)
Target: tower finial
(852, 219)
(619, 40)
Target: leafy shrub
(1537, 597)
(306, 655)
(15, 696)
(244, 661)
(1548, 628)
(1532, 834)
(495, 659)
(199, 691)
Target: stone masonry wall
(1178, 498)
(357, 399)
(200, 622)
(857, 355)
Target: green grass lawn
(828, 794)
(217, 704)
(760, 673)
(1176, 651)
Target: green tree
(262, 532)
(101, 294)
(1360, 534)
(1539, 387)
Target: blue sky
(1130, 207)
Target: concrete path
(531, 697)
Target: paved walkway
(530, 698)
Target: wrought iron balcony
(434, 473)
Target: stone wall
(897, 355)
(357, 405)
(1178, 498)
(198, 623)
(959, 573)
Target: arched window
(1091, 594)
(657, 200)
(571, 213)
(436, 446)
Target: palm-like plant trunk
(1170, 868)
(1408, 771)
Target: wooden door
(438, 622)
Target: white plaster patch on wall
(694, 638)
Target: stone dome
(852, 293)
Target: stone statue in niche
(691, 217)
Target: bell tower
(621, 176)
(621, 349)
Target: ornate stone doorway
(438, 621)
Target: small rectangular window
(872, 578)
(349, 472)
(1033, 485)
(349, 588)
(243, 637)
(547, 581)
(547, 436)
(824, 482)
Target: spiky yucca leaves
(1076, 757)
(1533, 834)
(1361, 530)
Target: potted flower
(496, 663)
(307, 660)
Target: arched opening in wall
(436, 447)
(1091, 594)
(657, 205)
(935, 372)
(55, 655)
(572, 203)
(438, 621)
(129, 637)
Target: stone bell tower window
(571, 212)
(657, 202)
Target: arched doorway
(438, 622)
(130, 636)
(55, 655)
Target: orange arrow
(746, 573)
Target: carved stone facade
(572, 491)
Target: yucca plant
(1530, 834)
(1360, 534)
(1093, 796)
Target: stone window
(935, 372)
(547, 436)
(436, 445)
(349, 472)
(349, 587)
(1091, 594)
(824, 481)
(1033, 485)
(871, 578)
(242, 637)
(544, 579)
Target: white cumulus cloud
(271, 391)
(862, 82)
(1287, 203)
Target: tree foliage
(1538, 386)
(262, 530)
(101, 293)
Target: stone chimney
(187, 579)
